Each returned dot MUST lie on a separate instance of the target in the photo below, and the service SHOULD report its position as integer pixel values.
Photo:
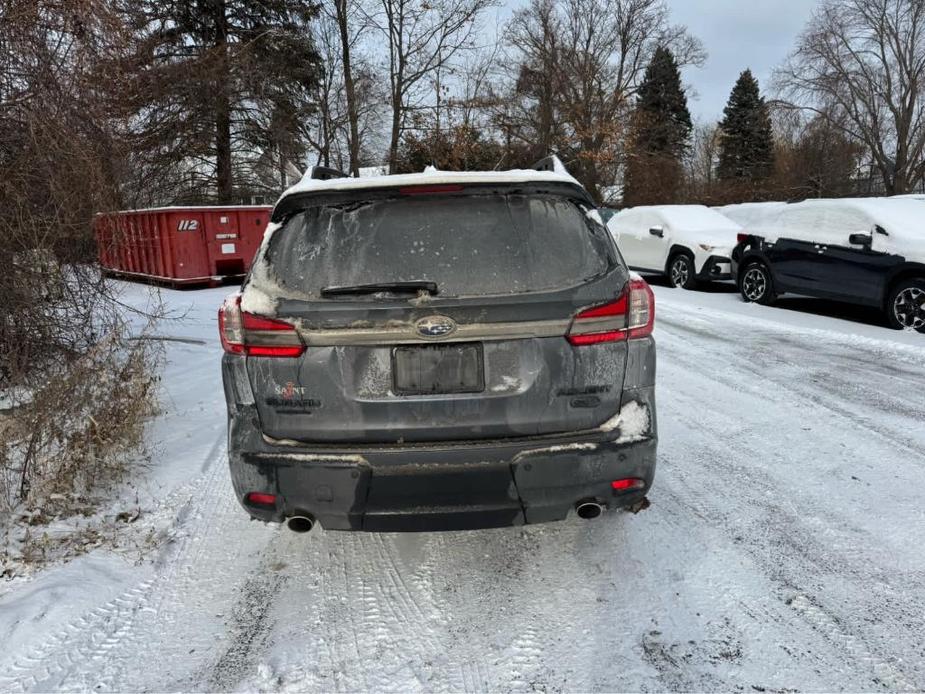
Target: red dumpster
(181, 245)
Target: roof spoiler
(326, 173)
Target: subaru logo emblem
(435, 326)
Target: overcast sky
(737, 34)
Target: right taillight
(741, 237)
(247, 333)
(641, 314)
(630, 316)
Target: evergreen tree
(746, 140)
(660, 132)
(225, 87)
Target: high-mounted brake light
(631, 316)
(430, 190)
(247, 333)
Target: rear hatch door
(438, 316)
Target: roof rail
(325, 173)
(547, 163)
(552, 163)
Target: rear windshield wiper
(358, 289)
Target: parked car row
(865, 251)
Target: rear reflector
(616, 308)
(278, 351)
(260, 499)
(597, 338)
(256, 336)
(628, 483)
(630, 316)
(255, 322)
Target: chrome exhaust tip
(300, 524)
(588, 509)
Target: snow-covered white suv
(688, 243)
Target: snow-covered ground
(783, 549)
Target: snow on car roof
(824, 221)
(747, 213)
(903, 217)
(431, 176)
(690, 217)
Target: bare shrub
(75, 391)
(73, 432)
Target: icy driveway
(783, 549)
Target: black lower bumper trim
(466, 489)
(466, 518)
(712, 271)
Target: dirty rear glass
(468, 245)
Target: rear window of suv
(467, 244)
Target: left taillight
(630, 316)
(246, 333)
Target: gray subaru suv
(438, 351)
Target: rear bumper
(453, 486)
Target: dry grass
(72, 432)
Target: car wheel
(681, 271)
(755, 284)
(906, 306)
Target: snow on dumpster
(180, 245)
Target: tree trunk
(352, 114)
(222, 110)
(283, 178)
(396, 131)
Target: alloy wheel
(680, 272)
(754, 284)
(909, 308)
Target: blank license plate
(438, 369)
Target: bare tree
(702, 158)
(347, 18)
(75, 391)
(532, 37)
(860, 65)
(577, 65)
(475, 100)
(331, 122)
(423, 37)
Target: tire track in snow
(251, 625)
(527, 655)
(803, 549)
(754, 361)
(92, 638)
(886, 674)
